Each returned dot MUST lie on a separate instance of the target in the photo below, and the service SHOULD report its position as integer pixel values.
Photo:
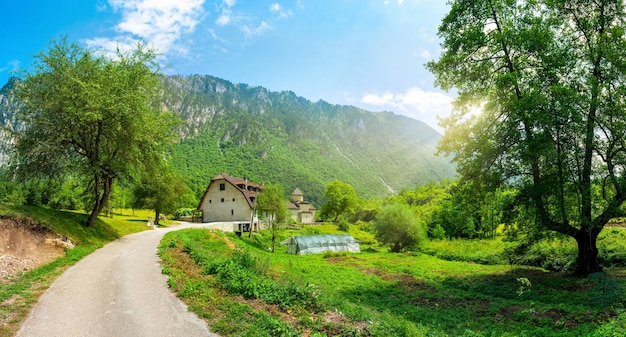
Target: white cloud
(224, 19)
(230, 3)
(415, 102)
(278, 9)
(256, 31)
(159, 23)
(426, 54)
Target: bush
(397, 226)
(554, 255)
(438, 232)
(246, 275)
(343, 225)
(181, 212)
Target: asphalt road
(118, 290)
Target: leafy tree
(68, 195)
(340, 199)
(549, 76)
(272, 202)
(397, 226)
(90, 116)
(160, 190)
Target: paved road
(116, 291)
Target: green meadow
(243, 289)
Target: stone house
(301, 211)
(232, 202)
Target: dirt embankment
(25, 245)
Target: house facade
(301, 211)
(230, 199)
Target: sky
(366, 53)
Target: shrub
(438, 232)
(181, 212)
(397, 226)
(343, 225)
(245, 275)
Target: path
(118, 290)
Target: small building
(313, 244)
(231, 201)
(301, 211)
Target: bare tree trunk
(587, 253)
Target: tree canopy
(340, 198)
(160, 190)
(549, 77)
(92, 116)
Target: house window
(222, 199)
(209, 201)
(233, 199)
(222, 187)
(232, 212)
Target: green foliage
(343, 225)
(241, 275)
(160, 189)
(181, 212)
(271, 202)
(397, 226)
(340, 199)
(546, 76)
(78, 110)
(488, 252)
(438, 232)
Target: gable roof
(297, 192)
(247, 188)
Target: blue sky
(367, 53)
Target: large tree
(83, 113)
(548, 76)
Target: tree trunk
(100, 201)
(587, 253)
(156, 217)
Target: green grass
(19, 294)
(376, 293)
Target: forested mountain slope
(278, 137)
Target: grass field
(244, 290)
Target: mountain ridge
(279, 137)
(379, 153)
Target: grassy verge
(233, 283)
(19, 294)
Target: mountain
(279, 137)
(7, 122)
